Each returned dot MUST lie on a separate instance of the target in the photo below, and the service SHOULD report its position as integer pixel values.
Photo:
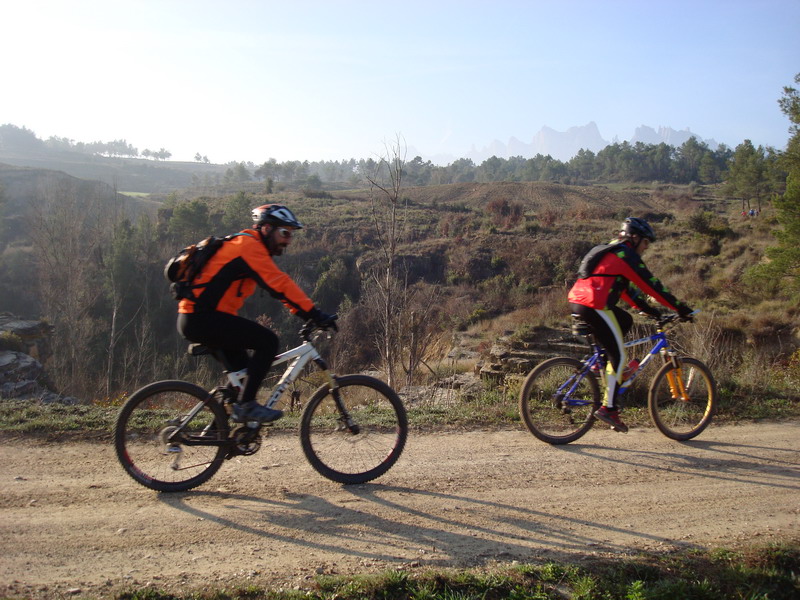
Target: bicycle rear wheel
(364, 448)
(153, 454)
(557, 400)
(682, 418)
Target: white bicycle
(173, 435)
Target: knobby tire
(144, 424)
(683, 419)
(341, 455)
(549, 417)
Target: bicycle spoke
(158, 449)
(557, 401)
(681, 401)
(368, 448)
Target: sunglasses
(284, 232)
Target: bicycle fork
(333, 386)
(677, 387)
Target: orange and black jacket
(621, 273)
(233, 273)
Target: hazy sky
(337, 79)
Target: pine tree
(784, 266)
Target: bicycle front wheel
(682, 401)
(361, 438)
(156, 451)
(558, 399)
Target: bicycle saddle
(198, 350)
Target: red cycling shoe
(611, 417)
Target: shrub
(12, 342)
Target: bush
(12, 342)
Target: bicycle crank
(245, 441)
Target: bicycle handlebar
(669, 318)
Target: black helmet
(275, 214)
(636, 226)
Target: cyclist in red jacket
(608, 273)
(228, 278)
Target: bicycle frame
(561, 398)
(596, 360)
(174, 435)
(660, 346)
(660, 343)
(297, 358)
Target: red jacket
(621, 274)
(232, 274)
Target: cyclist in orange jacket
(229, 277)
(608, 273)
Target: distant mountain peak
(666, 135)
(563, 145)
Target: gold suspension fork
(675, 378)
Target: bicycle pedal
(245, 421)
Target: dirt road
(72, 522)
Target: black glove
(651, 312)
(323, 320)
(685, 313)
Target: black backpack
(182, 268)
(593, 257)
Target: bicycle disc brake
(171, 447)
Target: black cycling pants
(605, 336)
(610, 327)
(231, 337)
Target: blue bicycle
(559, 396)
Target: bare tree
(419, 326)
(389, 218)
(67, 250)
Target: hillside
(533, 195)
(23, 189)
(126, 174)
(480, 260)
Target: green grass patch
(32, 417)
(753, 408)
(493, 408)
(770, 572)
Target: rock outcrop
(21, 373)
(513, 356)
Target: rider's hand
(323, 320)
(685, 313)
(651, 312)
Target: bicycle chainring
(246, 441)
